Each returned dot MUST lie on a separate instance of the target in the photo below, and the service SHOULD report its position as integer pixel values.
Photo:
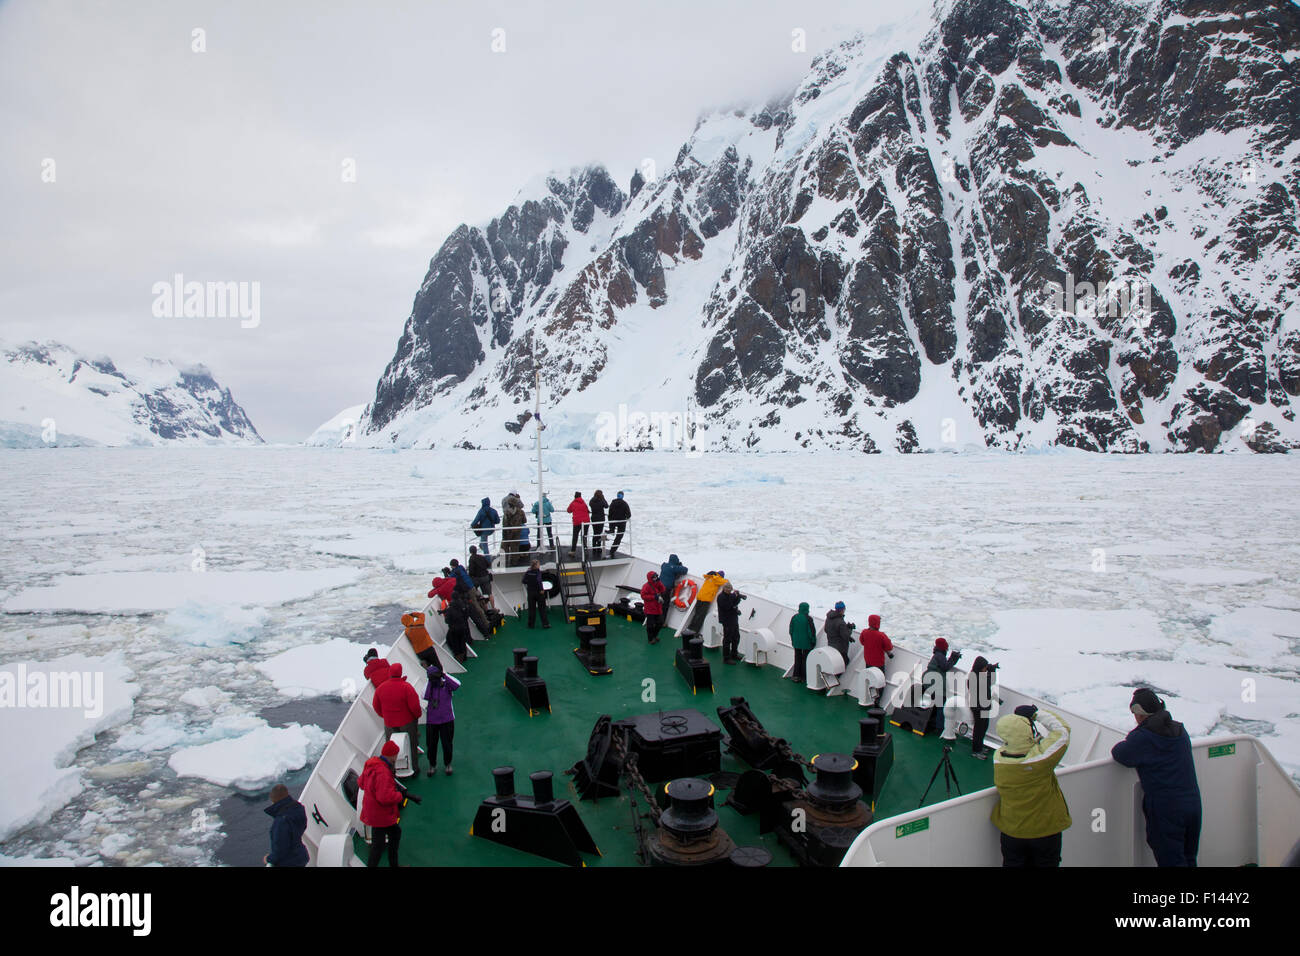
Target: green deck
(493, 729)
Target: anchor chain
(780, 744)
(633, 775)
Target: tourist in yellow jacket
(1031, 810)
(713, 582)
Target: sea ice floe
(332, 667)
(205, 625)
(1211, 577)
(205, 697)
(143, 591)
(40, 743)
(254, 760)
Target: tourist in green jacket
(803, 638)
(1031, 810)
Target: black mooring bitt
(692, 665)
(537, 824)
(524, 683)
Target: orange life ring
(677, 593)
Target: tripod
(949, 777)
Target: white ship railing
(542, 546)
(1250, 816)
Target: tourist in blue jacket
(548, 509)
(1160, 749)
(669, 573)
(485, 522)
(288, 824)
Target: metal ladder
(574, 581)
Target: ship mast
(541, 493)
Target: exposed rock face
(1036, 223)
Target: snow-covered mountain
(1009, 223)
(51, 395)
(339, 431)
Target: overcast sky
(228, 164)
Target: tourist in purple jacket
(441, 719)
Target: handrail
(549, 551)
(1108, 820)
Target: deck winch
(539, 824)
(688, 833)
(666, 743)
(522, 681)
(818, 821)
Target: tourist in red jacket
(875, 643)
(651, 593)
(399, 705)
(382, 804)
(444, 586)
(581, 516)
(376, 668)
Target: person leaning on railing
(1031, 811)
(1160, 749)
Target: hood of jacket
(834, 612)
(650, 575)
(1016, 733)
(413, 619)
(395, 672)
(1163, 724)
(287, 805)
(803, 608)
(873, 622)
(486, 502)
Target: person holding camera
(381, 807)
(935, 679)
(440, 718)
(839, 632)
(979, 698)
(1160, 749)
(729, 614)
(1031, 811)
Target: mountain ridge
(52, 395)
(876, 260)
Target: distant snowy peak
(52, 395)
(339, 431)
(1013, 224)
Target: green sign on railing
(1223, 750)
(907, 829)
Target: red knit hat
(391, 749)
(941, 644)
